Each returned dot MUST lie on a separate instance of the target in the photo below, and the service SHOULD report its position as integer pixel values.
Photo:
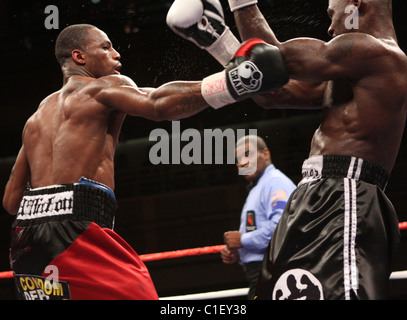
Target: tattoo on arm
(190, 103)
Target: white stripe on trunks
(350, 228)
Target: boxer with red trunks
(70, 228)
(64, 222)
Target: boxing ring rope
(181, 253)
(396, 275)
(6, 275)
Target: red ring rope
(181, 253)
(6, 275)
(176, 254)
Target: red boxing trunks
(337, 236)
(63, 247)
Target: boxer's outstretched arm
(309, 59)
(177, 100)
(171, 101)
(296, 94)
(255, 60)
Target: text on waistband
(45, 205)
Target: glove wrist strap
(224, 47)
(239, 4)
(215, 92)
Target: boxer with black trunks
(65, 218)
(339, 232)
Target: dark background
(167, 207)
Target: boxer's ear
(78, 56)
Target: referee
(269, 192)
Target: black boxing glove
(257, 67)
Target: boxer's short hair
(71, 38)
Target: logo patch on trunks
(32, 287)
(297, 284)
(45, 205)
(312, 169)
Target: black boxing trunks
(337, 236)
(63, 247)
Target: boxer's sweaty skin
(75, 131)
(359, 79)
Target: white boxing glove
(202, 22)
(239, 4)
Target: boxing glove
(239, 4)
(202, 22)
(257, 67)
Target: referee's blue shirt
(261, 213)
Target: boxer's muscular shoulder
(114, 81)
(91, 87)
(52, 98)
(98, 87)
(365, 46)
